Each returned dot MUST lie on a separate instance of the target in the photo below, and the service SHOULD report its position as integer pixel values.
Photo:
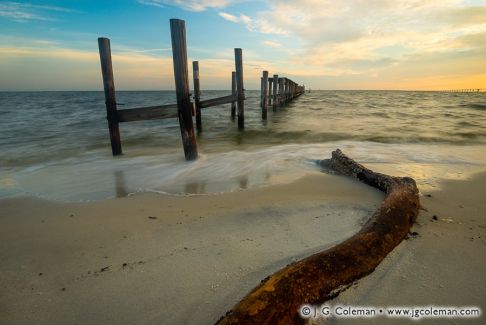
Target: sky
(354, 44)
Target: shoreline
(99, 177)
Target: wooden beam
(147, 113)
(184, 106)
(217, 101)
(110, 100)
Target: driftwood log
(319, 277)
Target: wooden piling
(110, 100)
(281, 90)
(233, 92)
(274, 94)
(239, 88)
(184, 105)
(261, 92)
(269, 91)
(287, 86)
(197, 94)
(264, 94)
(289, 82)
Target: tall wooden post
(197, 94)
(233, 92)
(184, 106)
(264, 94)
(110, 100)
(239, 88)
(261, 92)
(275, 86)
(281, 90)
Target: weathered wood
(275, 87)
(217, 101)
(261, 92)
(290, 91)
(147, 113)
(233, 92)
(179, 53)
(197, 94)
(110, 100)
(319, 277)
(269, 91)
(264, 94)
(239, 88)
(281, 90)
(285, 90)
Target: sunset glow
(384, 44)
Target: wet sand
(153, 258)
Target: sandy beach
(442, 265)
(153, 258)
(183, 162)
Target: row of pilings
(275, 91)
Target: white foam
(100, 176)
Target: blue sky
(376, 44)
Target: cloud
(48, 66)
(165, 49)
(22, 12)
(229, 17)
(272, 44)
(245, 20)
(154, 3)
(375, 44)
(358, 36)
(191, 5)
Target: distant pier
(467, 90)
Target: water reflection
(120, 184)
(195, 187)
(243, 181)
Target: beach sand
(443, 265)
(152, 258)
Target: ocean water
(55, 145)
